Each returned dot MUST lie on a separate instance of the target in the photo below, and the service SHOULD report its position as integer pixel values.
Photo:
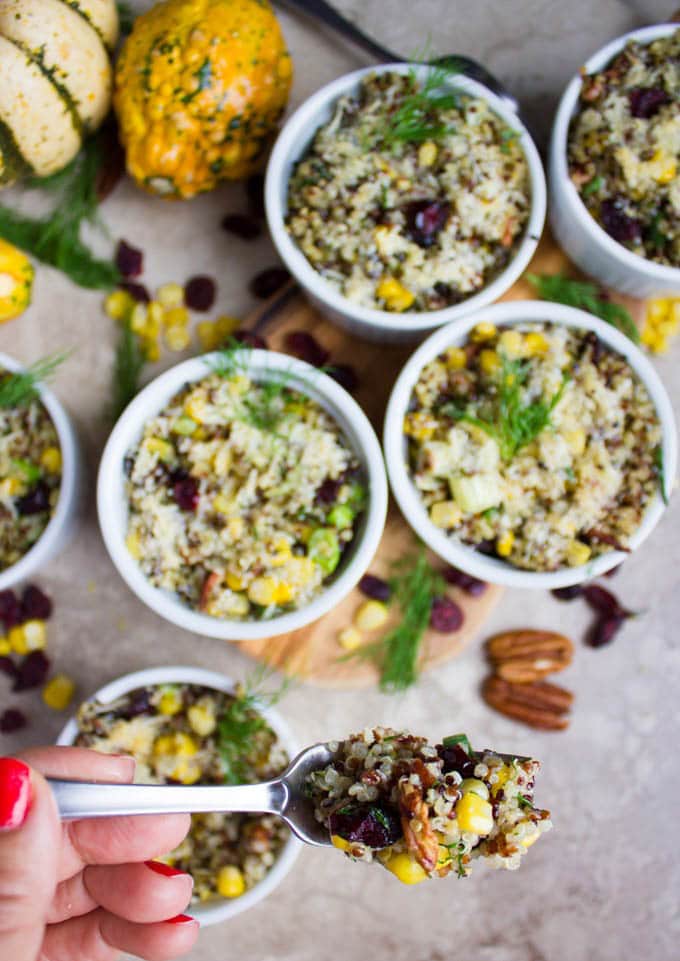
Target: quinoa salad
(624, 148)
(426, 811)
(534, 443)
(243, 497)
(30, 477)
(190, 734)
(412, 197)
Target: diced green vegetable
(184, 425)
(341, 516)
(475, 494)
(31, 472)
(324, 549)
(460, 740)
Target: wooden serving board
(314, 653)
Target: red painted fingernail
(163, 869)
(179, 919)
(15, 792)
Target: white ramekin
(576, 230)
(113, 509)
(493, 569)
(222, 909)
(367, 322)
(58, 531)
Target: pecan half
(526, 655)
(415, 822)
(540, 705)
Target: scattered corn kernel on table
(604, 883)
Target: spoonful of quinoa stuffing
(426, 811)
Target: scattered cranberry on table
(129, 259)
(200, 292)
(375, 588)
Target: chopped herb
(661, 473)
(524, 802)
(240, 724)
(460, 866)
(21, 387)
(29, 470)
(654, 234)
(513, 424)
(127, 370)
(414, 586)
(508, 137)
(55, 239)
(587, 296)
(415, 120)
(592, 186)
(380, 817)
(569, 473)
(454, 740)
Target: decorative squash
(55, 80)
(199, 88)
(16, 282)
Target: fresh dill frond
(127, 370)
(512, 423)
(586, 296)
(414, 586)
(661, 472)
(524, 802)
(56, 238)
(241, 726)
(416, 118)
(20, 387)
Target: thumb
(30, 839)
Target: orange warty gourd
(200, 86)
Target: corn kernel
(577, 553)
(236, 527)
(177, 338)
(133, 545)
(446, 514)
(170, 702)
(456, 358)
(419, 425)
(262, 591)
(504, 544)
(475, 786)
(427, 153)
(234, 581)
(226, 325)
(178, 744)
(370, 616)
(16, 639)
(575, 440)
(118, 305)
(535, 344)
(235, 605)
(394, 294)
(474, 814)
(489, 361)
(207, 334)
(201, 719)
(349, 638)
(163, 448)
(511, 343)
(482, 332)
(184, 426)
(51, 460)
(195, 406)
(341, 843)
(406, 868)
(230, 882)
(58, 692)
(154, 318)
(502, 774)
(223, 505)
(5, 647)
(170, 295)
(283, 593)
(667, 172)
(138, 318)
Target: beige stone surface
(604, 884)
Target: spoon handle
(330, 17)
(81, 799)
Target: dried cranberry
(138, 292)
(619, 224)
(35, 604)
(129, 260)
(604, 602)
(10, 609)
(603, 631)
(304, 345)
(8, 667)
(250, 339)
(424, 220)
(241, 225)
(12, 720)
(567, 593)
(456, 759)
(36, 501)
(328, 491)
(645, 102)
(185, 492)
(373, 824)
(375, 588)
(199, 293)
(267, 282)
(139, 702)
(345, 375)
(255, 195)
(471, 585)
(446, 616)
(32, 671)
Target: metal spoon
(284, 796)
(329, 16)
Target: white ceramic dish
(382, 325)
(222, 909)
(113, 509)
(577, 232)
(466, 558)
(58, 532)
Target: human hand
(85, 890)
